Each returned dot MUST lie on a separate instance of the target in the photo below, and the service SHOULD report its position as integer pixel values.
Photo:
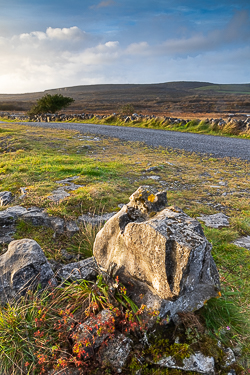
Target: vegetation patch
(110, 170)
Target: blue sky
(55, 43)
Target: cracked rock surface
(160, 254)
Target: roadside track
(199, 143)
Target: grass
(193, 126)
(110, 170)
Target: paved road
(215, 145)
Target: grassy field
(110, 170)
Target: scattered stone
(93, 332)
(17, 211)
(217, 221)
(85, 269)
(66, 255)
(23, 192)
(58, 195)
(71, 228)
(5, 198)
(154, 177)
(22, 267)
(95, 219)
(229, 357)
(6, 218)
(156, 169)
(158, 253)
(243, 242)
(36, 217)
(116, 353)
(5, 240)
(197, 362)
(57, 224)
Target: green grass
(193, 126)
(111, 170)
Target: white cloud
(61, 57)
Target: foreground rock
(23, 266)
(160, 254)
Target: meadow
(110, 170)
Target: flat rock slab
(217, 221)
(243, 242)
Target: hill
(169, 97)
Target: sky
(47, 44)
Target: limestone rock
(243, 242)
(116, 353)
(197, 362)
(160, 254)
(36, 216)
(17, 211)
(5, 198)
(23, 266)
(6, 218)
(71, 228)
(85, 269)
(57, 224)
(217, 221)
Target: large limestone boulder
(160, 254)
(23, 266)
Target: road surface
(206, 144)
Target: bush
(50, 104)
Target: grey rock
(197, 362)
(57, 224)
(6, 218)
(36, 218)
(85, 269)
(71, 228)
(66, 255)
(154, 177)
(17, 211)
(116, 353)
(23, 192)
(58, 195)
(229, 357)
(243, 242)
(95, 219)
(5, 240)
(5, 198)
(150, 169)
(159, 253)
(217, 221)
(22, 267)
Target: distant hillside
(160, 97)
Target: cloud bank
(59, 57)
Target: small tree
(50, 104)
(127, 109)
